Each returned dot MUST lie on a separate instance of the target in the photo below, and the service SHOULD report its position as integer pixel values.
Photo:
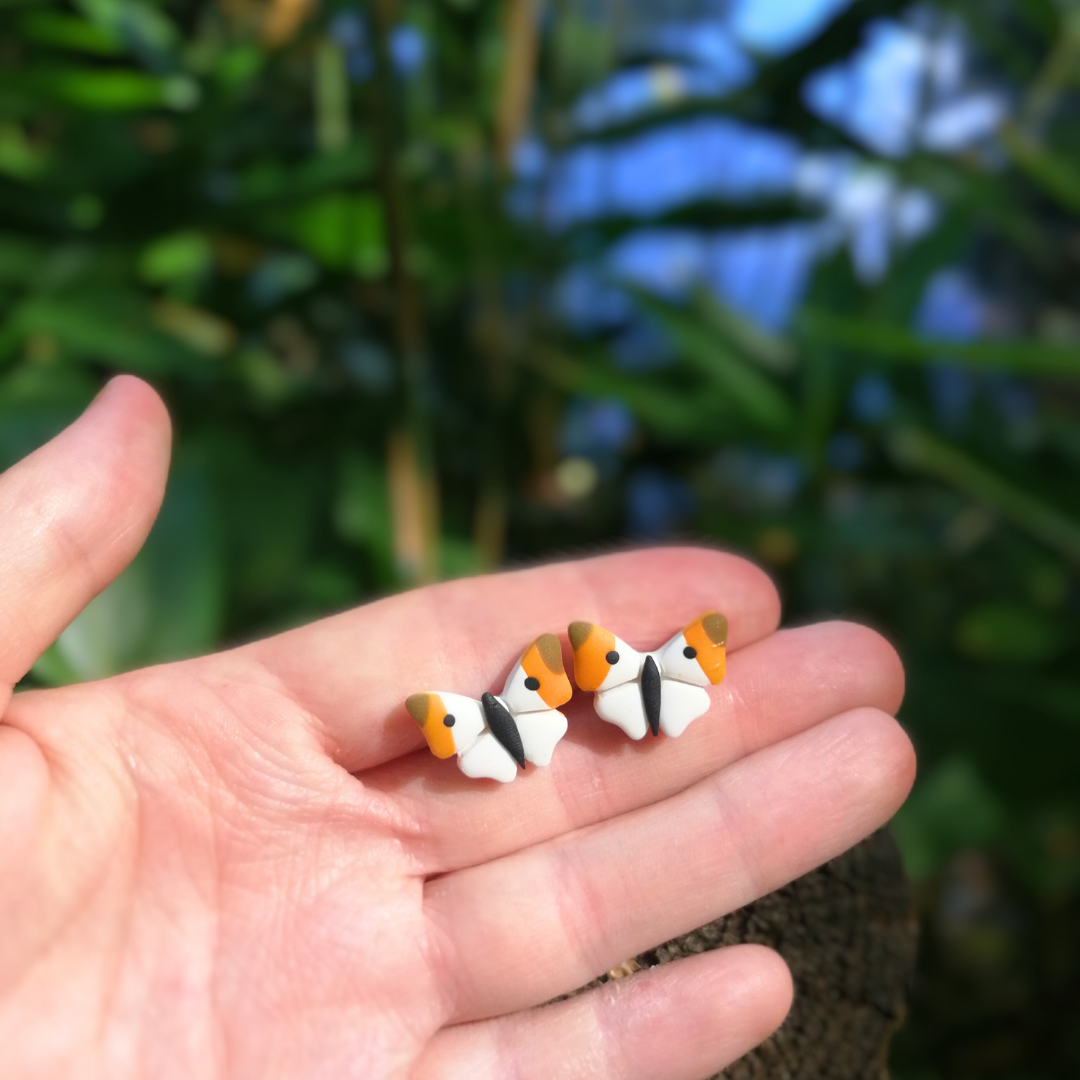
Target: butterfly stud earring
(497, 735)
(663, 690)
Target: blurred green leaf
(690, 416)
(459, 557)
(901, 345)
(179, 258)
(19, 157)
(19, 259)
(104, 89)
(186, 568)
(1056, 178)
(144, 25)
(199, 330)
(271, 180)
(1002, 631)
(332, 120)
(362, 509)
(773, 352)
(109, 636)
(234, 67)
(952, 809)
(749, 391)
(68, 32)
(109, 329)
(706, 214)
(343, 231)
(919, 450)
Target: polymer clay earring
(497, 735)
(663, 690)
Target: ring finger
(578, 905)
(681, 1021)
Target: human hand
(248, 865)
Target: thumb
(73, 514)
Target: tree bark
(848, 933)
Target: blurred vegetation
(312, 230)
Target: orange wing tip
(543, 662)
(428, 710)
(708, 636)
(419, 705)
(557, 691)
(591, 644)
(717, 670)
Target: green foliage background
(321, 277)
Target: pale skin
(248, 865)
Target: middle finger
(522, 929)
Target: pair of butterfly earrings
(663, 690)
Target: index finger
(352, 673)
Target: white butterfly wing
(540, 734)
(675, 664)
(468, 717)
(486, 759)
(683, 697)
(622, 706)
(618, 701)
(517, 697)
(680, 703)
(626, 667)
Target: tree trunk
(848, 932)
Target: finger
(679, 1021)
(352, 673)
(587, 901)
(774, 688)
(73, 514)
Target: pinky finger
(681, 1021)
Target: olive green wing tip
(579, 633)
(417, 704)
(716, 626)
(547, 645)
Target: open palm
(247, 865)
